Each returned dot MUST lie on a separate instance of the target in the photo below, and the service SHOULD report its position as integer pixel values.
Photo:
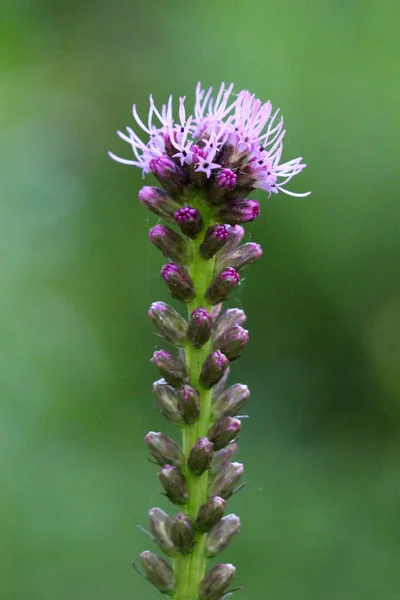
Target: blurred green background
(320, 510)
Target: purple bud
(221, 285)
(226, 179)
(221, 534)
(164, 450)
(182, 533)
(169, 322)
(214, 239)
(210, 513)
(216, 582)
(178, 281)
(224, 431)
(168, 173)
(241, 257)
(171, 244)
(158, 572)
(167, 401)
(226, 479)
(200, 326)
(230, 402)
(239, 211)
(159, 202)
(214, 367)
(200, 456)
(229, 318)
(160, 528)
(189, 404)
(222, 457)
(189, 220)
(172, 368)
(174, 484)
(236, 234)
(232, 342)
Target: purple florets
(232, 140)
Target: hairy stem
(190, 569)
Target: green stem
(190, 569)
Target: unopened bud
(158, 572)
(210, 513)
(167, 401)
(213, 369)
(174, 484)
(222, 457)
(189, 404)
(220, 386)
(236, 234)
(182, 533)
(241, 257)
(189, 220)
(214, 239)
(222, 284)
(226, 479)
(226, 179)
(216, 582)
(159, 202)
(168, 173)
(163, 449)
(230, 402)
(172, 368)
(200, 456)
(160, 528)
(200, 326)
(171, 244)
(221, 534)
(169, 322)
(178, 281)
(224, 431)
(232, 342)
(229, 318)
(239, 210)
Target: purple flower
(233, 140)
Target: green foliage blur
(320, 512)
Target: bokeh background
(321, 507)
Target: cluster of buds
(206, 164)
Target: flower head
(234, 141)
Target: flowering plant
(206, 163)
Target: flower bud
(224, 431)
(168, 173)
(182, 533)
(226, 179)
(160, 528)
(189, 220)
(230, 402)
(239, 210)
(221, 534)
(222, 284)
(174, 484)
(172, 368)
(213, 369)
(236, 234)
(232, 342)
(222, 457)
(158, 572)
(216, 582)
(214, 239)
(226, 479)
(189, 404)
(169, 322)
(164, 450)
(200, 456)
(159, 202)
(178, 281)
(209, 514)
(220, 386)
(241, 257)
(200, 326)
(171, 244)
(167, 401)
(229, 318)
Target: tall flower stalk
(206, 164)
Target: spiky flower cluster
(206, 164)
